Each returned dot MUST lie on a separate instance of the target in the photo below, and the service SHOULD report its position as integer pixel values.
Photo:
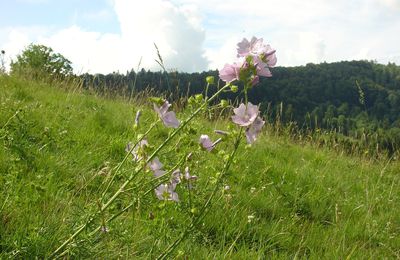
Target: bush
(39, 61)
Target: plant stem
(203, 210)
(117, 169)
(121, 189)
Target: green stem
(203, 210)
(121, 189)
(117, 169)
(180, 163)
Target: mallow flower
(156, 166)
(189, 177)
(166, 192)
(262, 70)
(230, 72)
(256, 48)
(135, 150)
(175, 178)
(245, 116)
(206, 142)
(248, 116)
(253, 47)
(254, 129)
(169, 118)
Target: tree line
(352, 98)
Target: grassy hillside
(59, 149)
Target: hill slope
(285, 200)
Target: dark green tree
(38, 61)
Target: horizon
(195, 36)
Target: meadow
(60, 159)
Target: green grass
(58, 148)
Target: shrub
(39, 61)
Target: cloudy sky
(102, 36)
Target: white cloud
(195, 35)
(176, 31)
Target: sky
(105, 36)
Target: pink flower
(189, 177)
(166, 192)
(245, 116)
(256, 48)
(135, 151)
(255, 80)
(156, 166)
(175, 178)
(252, 47)
(271, 58)
(254, 129)
(262, 68)
(207, 144)
(230, 72)
(169, 118)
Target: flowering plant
(166, 182)
(255, 59)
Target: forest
(350, 98)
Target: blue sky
(194, 35)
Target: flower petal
(170, 120)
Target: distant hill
(344, 94)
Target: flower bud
(198, 97)
(210, 80)
(191, 100)
(157, 100)
(224, 103)
(234, 88)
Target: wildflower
(248, 116)
(156, 166)
(135, 150)
(262, 55)
(175, 178)
(262, 70)
(245, 116)
(189, 177)
(256, 48)
(169, 118)
(230, 72)
(254, 129)
(255, 80)
(271, 58)
(206, 142)
(166, 192)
